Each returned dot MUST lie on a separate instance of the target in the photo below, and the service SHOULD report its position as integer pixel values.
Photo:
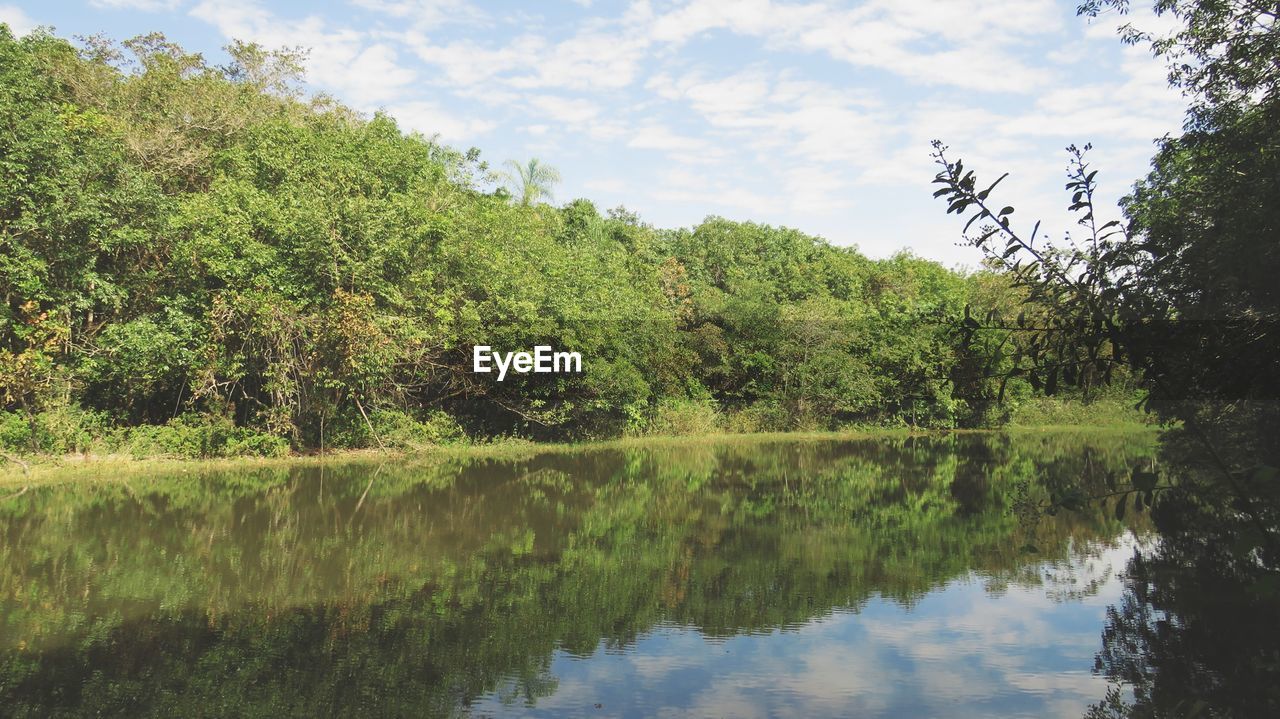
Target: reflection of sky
(959, 651)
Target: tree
(1183, 294)
(179, 237)
(1223, 54)
(531, 181)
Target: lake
(898, 576)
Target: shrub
(69, 429)
(762, 416)
(395, 428)
(15, 432)
(400, 429)
(250, 443)
(64, 429)
(1047, 411)
(675, 416)
(202, 436)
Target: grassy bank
(1055, 411)
(40, 470)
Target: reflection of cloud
(959, 651)
(840, 676)
(723, 699)
(1081, 682)
(652, 667)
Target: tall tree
(531, 181)
(1184, 291)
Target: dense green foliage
(183, 239)
(1183, 293)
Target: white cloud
(660, 137)
(17, 20)
(576, 115)
(567, 110)
(1141, 16)
(744, 17)
(466, 64)
(145, 5)
(611, 185)
(816, 189)
(587, 61)
(1130, 102)
(916, 40)
(821, 119)
(359, 71)
(430, 119)
(734, 101)
(711, 193)
(374, 74)
(427, 13)
(805, 122)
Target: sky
(812, 115)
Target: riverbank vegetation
(198, 260)
(39, 470)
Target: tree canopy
(202, 246)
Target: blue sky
(814, 115)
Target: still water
(808, 578)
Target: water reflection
(1196, 632)
(784, 579)
(966, 649)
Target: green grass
(108, 467)
(1056, 412)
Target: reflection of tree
(1196, 632)
(279, 593)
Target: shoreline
(52, 470)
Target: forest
(201, 260)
